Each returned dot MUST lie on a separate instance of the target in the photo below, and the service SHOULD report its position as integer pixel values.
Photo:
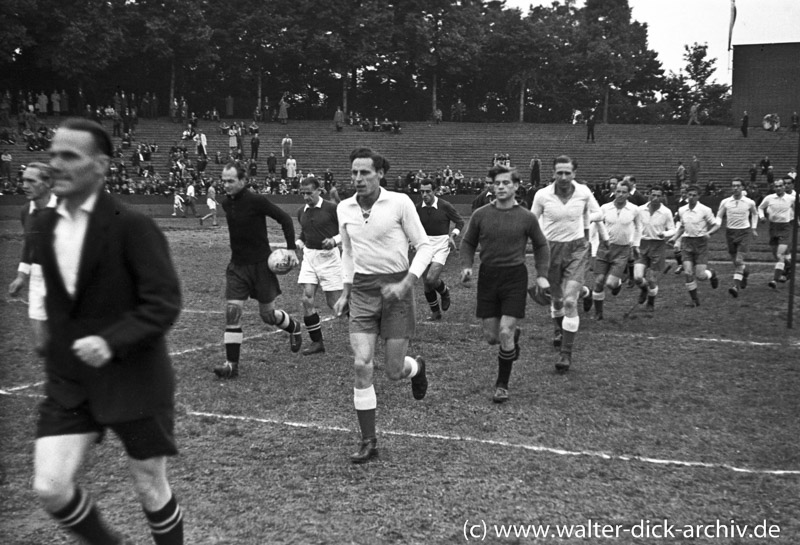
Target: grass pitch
(688, 416)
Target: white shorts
(36, 294)
(323, 267)
(441, 248)
(212, 204)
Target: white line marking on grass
(24, 386)
(507, 444)
(257, 336)
(792, 344)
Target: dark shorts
(569, 261)
(254, 280)
(652, 254)
(779, 233)
(502, 291)
(738, 241)
(695, 250)
(370, 313)
(612, 259)
(145, 438)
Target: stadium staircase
(650, 152)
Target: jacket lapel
(97, 233)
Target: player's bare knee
(233, 314)
(570, 306)
(491, 338)
(53, 492)
(307, 301)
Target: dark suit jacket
(127, 293)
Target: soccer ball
(279, 261)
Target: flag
(733, 20)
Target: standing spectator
(693, 112)
(106, 362)
(562, 207)
(55, 103)
(765, 164)
(201, 142)
(64, 102)
(338, 119)
(590, 122)
(283, 110)
(154, 106)
(286, 146)
(255, 143)
(5, 165)
(694, 170)
(41, 104)
(753, 173)
(770, 176)
(272, 165)
(795, 122)
(536, 172)
(745, 123)
(291, 168)
(248, 274)
(232, 143)
(680, 175)
(377, 228)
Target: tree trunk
(258, 104)
(605, 108)
(522, 101)
(344, 93)
(171, 85)
(434, 85)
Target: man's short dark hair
(311, 180)
(378, 161)
(100, 136)
(44, 171)
(565, 159)
(694, 188)
(625, 183)
(501, 169)
(240, 172)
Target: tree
(681, 91)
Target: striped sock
(233, 343)
(81, 517)
(166, 524)
(314, 327)
(505, 360)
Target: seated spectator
(386, 125)
(189, 133)
(366, 126)
(215, 115)
(126, 140)
(396, 127)
(253, 129)
(376, 125)
(224, 128)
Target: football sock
(651, 296)
(433, 300)
(779, 268)
(505, 360)
(412, 365)
(233, 343)
(285, 322)
(365, 402)
(737, 279)
(166, 524)
(691, 287)
(314, 327)
(598, 297)
(442, 288)
(81, 517)
(571, 325)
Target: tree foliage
(397, 59)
